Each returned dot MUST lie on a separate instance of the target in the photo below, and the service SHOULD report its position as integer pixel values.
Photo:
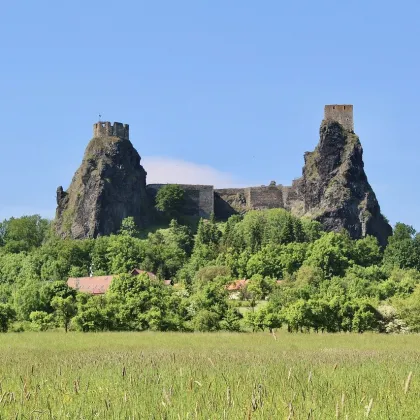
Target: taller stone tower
(109, 186)
(343, 114)
(334, 187)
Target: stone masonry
(106, 129)
(198, 199)
(229, 201)
(340, 113)
(110, 185)
(202, 200)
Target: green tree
(367, 251)
(170, 199)
(311, 228)
(331, 253)
(50, 290)
(28, 298)
(208, 233)
(42, 321)
(125, 253)
(259, 287)
(65, 309)
(366, 317)
(62, 257)
(206, 320)
(322, 315)
(403, 249)
(409, 310)
(101, 264)
(129, 227)
(11, 267)
(23, 233)
(206, 249)
(231, 320)
(210, 273)
(94, 314)
(265, 262)
(7, 316)
(262, 319)
(231, 237)
(298, 316)
(212, 297)
(167, 250)
(140, 303)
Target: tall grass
(211, 376)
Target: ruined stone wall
(266, 197)
(199, 199)
(106, 129)
(340, 113)
(230, 201)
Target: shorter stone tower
(340, 113)
(106, 129)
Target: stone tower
(340, 113)
(106, 129)
(109, 186)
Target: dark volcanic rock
(109, 185)
(334, 188)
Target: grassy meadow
(52, 375)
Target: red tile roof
(95, 285)
(237, 285)
(98, 285)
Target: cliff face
(109, 185)
(334, 188)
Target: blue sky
(230, 93)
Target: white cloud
(166, 170)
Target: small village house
(98, 285)
(234, 289)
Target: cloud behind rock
(166, 170)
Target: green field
(209, 376)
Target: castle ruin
(203, 200)
(106, 129)
(198, 199)
(110, 185)
(340, 113)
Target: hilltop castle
(111, 185)
(106, 129)
(202, 200)
(343, 114)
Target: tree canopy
(169, 199)
(293, 274)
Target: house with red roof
(98, 285)
(234, 289)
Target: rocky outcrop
(109, 186)
(334, 188)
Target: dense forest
(300, 277)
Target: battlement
(340, 113)
(106, 129)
